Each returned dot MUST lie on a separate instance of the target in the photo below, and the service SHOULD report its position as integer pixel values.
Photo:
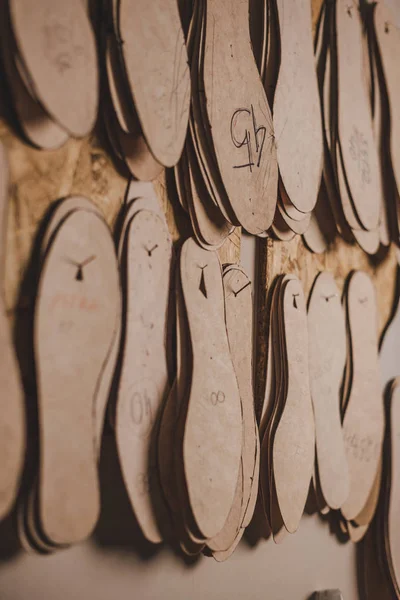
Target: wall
(311, 559)
(111, 565)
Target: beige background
(310, 560)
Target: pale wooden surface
(38, 178)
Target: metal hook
(80, 265)
(150, 252)
(202, 285)
(327, 298)
(242, 288)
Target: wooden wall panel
(38, 178)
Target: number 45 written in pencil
(252, 139)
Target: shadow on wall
(117, 529)
(9, 542)
(23, 343)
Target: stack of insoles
(327, 354)
(12, 421)
(146, 104)
(144, 252)
(362, 405)
(322, 386)
(208, 444)
(228, 173)
(50, 59)
(290, 80)
(388, 521)
(76, 320)
(352, 169)
(384, 31)
(287, 423)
